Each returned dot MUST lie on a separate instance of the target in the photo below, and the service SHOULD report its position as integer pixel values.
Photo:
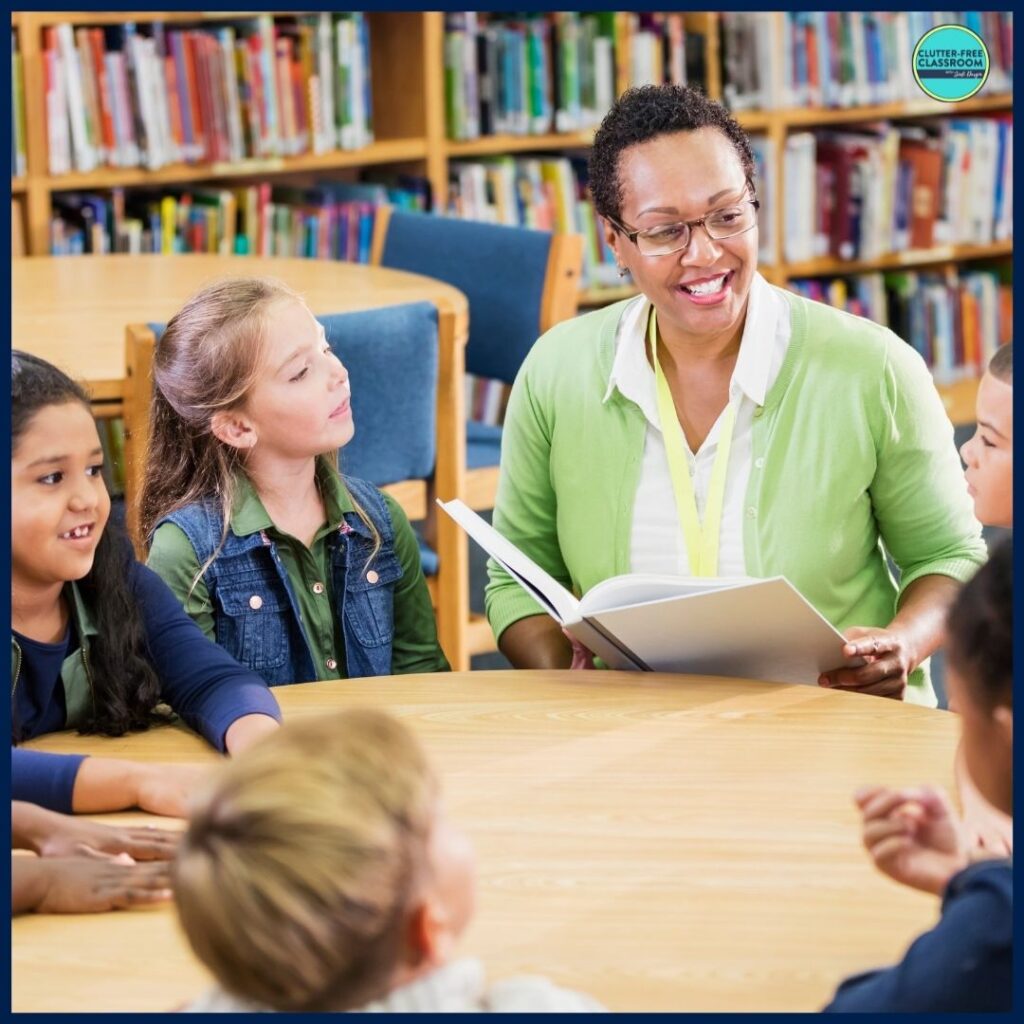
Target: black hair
(125, 686)
(644, 113)
(980, 630)
(1001, 364)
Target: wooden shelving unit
(409, 120)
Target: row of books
(486, 399)
(333, 221)
(955, 320)
(550, 193)
(142, 95)
(532, 74)
(860, 194)
(843, 58)
(18, 160)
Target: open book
(750, 628)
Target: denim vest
(256, 615)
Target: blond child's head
(319, 871)
(988, 455)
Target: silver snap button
(331, 664)
(255, 602)
(318, 588)
(372, 577)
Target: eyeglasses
(668, 238)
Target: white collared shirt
(657, 544)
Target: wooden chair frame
(559, 301)
(449, 589)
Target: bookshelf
(407, 55)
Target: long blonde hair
(209, 359)
(295, 877)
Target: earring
(623, 271)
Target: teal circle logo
(951, 63)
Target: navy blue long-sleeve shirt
(963, 965)
(198, 679)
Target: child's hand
(913, 835)
(86, 884)
(167, 788)
(75, 836)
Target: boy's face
(987, 743)
(989, 454)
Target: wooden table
(663, 842)
(73, 310)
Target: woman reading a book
(718, 426)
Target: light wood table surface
(663, 842)
(73, 310)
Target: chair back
(518, 281)
(391, 355)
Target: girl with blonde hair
(320, 873)
(298, 573)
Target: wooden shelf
(17, 185)
(959, 400)
(384, 152)
(498, 145)
(828, 267)
(604, 296)
(813, 117)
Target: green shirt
(415, 647)
(853, 455)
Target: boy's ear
(1003, 718)
(233, 428)
(429, 939)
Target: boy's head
(989, 453)
(980, 653)
(319, 871)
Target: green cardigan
(851, 450)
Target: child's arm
(50, 834)
(201, 681)
(415, 647)
(963, 964)
(72, 783)
(172, 557)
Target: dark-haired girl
(98, 642)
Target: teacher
(716, 425)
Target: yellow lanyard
(701, 541)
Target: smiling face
(299, 406)
(701, 292)
(988, 455)
(59, 502)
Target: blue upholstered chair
(405, 366)
(519, 282)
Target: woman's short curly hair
(644, 113)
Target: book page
(549, 593)
(642, 588)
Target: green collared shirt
(415, 647)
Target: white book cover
(743, 627)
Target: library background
(284, 134)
